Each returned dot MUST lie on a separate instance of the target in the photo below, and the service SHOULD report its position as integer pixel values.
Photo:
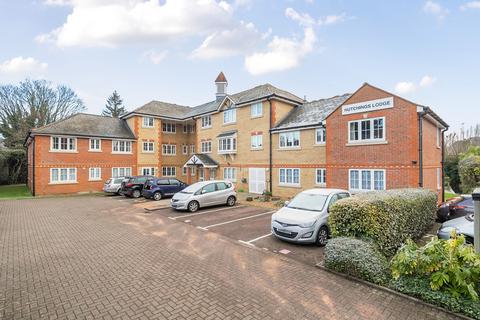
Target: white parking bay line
(250, 242)
(204, 212)
(239, 219)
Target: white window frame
(148, 122)
(69, 142)
(256, 142)
(127, 146)
(193, 171)
(124, 169)
(206, 121)
(184, 171)
(439, 179)
(192, 149)
(285, 175)
(439, 134)
(372, 180)
(147, 171)
(94, 174)
(97, 145)
(323, 136)
(169, 171)
(169, 127)
(233, 145)
(169, 149)
(206, 146)
(360, 140)
(230, 116)
(289, 135)
(230, 174)
(323, 176)
(256, 110)
(148, 144)
(185, 148)
(68, 179)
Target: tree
(114, 107)
(32, 104)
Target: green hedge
(357, 258)
(387, 217)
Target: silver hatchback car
(113, 185)
(204, 194)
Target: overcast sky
(172, 50)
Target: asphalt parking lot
(248, 225)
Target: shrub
(357, 258)
(448, 264)
(420, 287)
(469, 170)
(451, 172)
(387, 217)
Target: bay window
(227, 145)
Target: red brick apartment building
(262, 139)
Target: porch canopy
(201, 160)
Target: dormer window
(229, 116)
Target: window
(63, 175)
(256, 110)
(95, 145)
(290, 139)
(192, 149)
(184, 171)
(229, 116)
(121, 172)
(230, 174)
(321, 176)
(169, 171)
(439, 137)
(208, 188)
(320, 136)
(193, 171)
(213, 173)
(169, 149)
(188, 128)
(207, 121)
(367, 130)
(206, 146)
(148, 146)
(147, 122)
(148, 171)
(366, 180)
(256, 141)
(289, 177)
(439, 179)
(121, 146)
(94, 174)
(227, 145)
(185, 129)
(63, 144)
(185, 149)
(169, 127)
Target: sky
(172, 50)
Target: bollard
(476, 220)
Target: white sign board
(368, 106)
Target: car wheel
(136, 194)
(231, 201)
(157, 196)
(322, 236)
(193, 206)
(118, 192)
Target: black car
(449, 211)
(133, 187)
(159, 188)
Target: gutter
(443, 164)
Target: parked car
(158, 188)
(304, 219)
(204, 194)
(462, 225)
(113, 185)
(133, 187)
(449, 211)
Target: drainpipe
(442, 167)
(270, 165)
(420, 148)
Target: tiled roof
(311, 113)
(206, 159)
(164, 109)
(221, 78)
(227, 133)
(91, 125)
(263, 91)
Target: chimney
(221, 83)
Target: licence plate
(284, 231)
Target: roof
(263, 91)
(311, 113)
(203, 159)
(227, 133)
(221, 78)
(83, 124)
(164, 109)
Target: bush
(387, 217)
(357, 258)
(13, 166)
(469, 170)
(451, 172)
(450, 265)
(420, 287)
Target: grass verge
(14, 191)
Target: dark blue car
(158, 188)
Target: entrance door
(256, 180)
(201, 176)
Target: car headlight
(307, 224)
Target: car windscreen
(118, 181)
(190, 189)
(308, 201)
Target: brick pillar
(189, 176)
(206, 174)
